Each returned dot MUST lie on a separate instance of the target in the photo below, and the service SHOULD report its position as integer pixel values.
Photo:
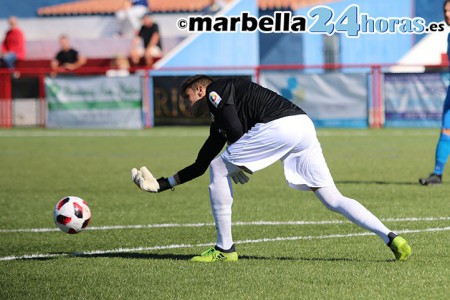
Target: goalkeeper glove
(240, 177)
(145, 181)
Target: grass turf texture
(379, 168)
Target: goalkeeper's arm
(210, 149)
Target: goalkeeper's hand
(145, 181)
(240, 177)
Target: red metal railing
(376, 106)
(40, 73)
(5, 100)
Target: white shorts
(293, 141)
(155, 51)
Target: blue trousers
(443, 146)
(8, 60)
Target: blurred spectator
(13, 46)
(67, 59)
(120, 67)
(130, 15)
(147, 42)
(217, 5)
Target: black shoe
(432, 179)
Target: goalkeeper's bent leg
(221, 197)
(352, 210)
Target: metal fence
(23, 95)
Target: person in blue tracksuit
(443, 146)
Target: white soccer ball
(72, 214)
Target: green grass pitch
(146, 255)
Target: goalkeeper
(259, 127)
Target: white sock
(221, 197)
(352, 210)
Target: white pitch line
(255, 223)
(179, 246)
(176, 225)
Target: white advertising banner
(330, 99)
(94, 102)
(414, 100)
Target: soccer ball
(72, 214)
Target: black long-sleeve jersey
(236, 105)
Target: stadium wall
(280, 48)
(93, 36)
(217, 49)
(367, 48)
(89, 33)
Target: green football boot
(213, 255)
(400, 248)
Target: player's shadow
(157, 256)
(182, 257)
(328, 259)
(376, 182)
(137, 255)
(251, 257)
(241, 257)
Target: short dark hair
(443, 6)
(193, 81)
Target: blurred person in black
(147, 42)
(67, 59)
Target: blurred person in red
(13, 46)
(67, 59)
